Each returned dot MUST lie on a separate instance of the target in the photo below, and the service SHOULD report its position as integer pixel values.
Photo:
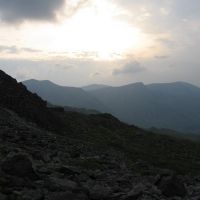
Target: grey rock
(19, 165)
(100, 192)
(32, 195)
(66, 196)
(62, 184)
(172, 186)
(135, 193)
(3, 196)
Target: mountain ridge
(163, 105)
(16, 97)
(63, 95)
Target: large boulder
(100, 192)
(19, 165)
(135, 193)
(58, 184)
(171, 186)
(3, 197)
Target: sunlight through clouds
(156, 33)
(93, 29)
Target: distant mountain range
(94, 87)
(167, 105)
(64, 96)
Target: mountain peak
(134, 85)
(94, 87)
(6, 78)
(38, 81)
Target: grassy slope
(107, 133)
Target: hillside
(168, 105)
(16, 97)
(95, 157)
(64, 96)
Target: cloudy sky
(79, 42)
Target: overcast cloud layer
(19, 10)
(172, 25)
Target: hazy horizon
(82, 42)
(129, 83)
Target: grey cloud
(167, 42)
(129, 68)
(63, 66)
(187, 8)
(95, 74)
(181, 8)
(15, 49)
(30, 50)
(13, 11)
(162, 16)
(8, 49)
(73, 9)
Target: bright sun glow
(95, 31)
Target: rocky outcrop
(172, 186)
(16, 97)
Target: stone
(171, 186)
(3, 197)
(100, 192)
(136, 192)
(58, 184)
(67, 196)
(32, 195)
(19, 165)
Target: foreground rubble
(37, 165)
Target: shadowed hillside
(16, 97)
(172, 106)
(94, 157)
(169, 105)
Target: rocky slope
(16, 97)
(95, 158)
(38, 165)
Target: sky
(114, 42)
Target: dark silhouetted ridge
(16, 97)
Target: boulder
(19, 165)
(171, 186)
(135, 193)
(100, 192)
(58, 184)
(3, 197)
